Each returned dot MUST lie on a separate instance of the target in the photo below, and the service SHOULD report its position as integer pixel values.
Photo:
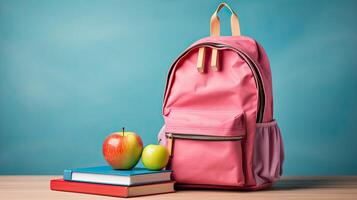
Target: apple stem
(123, 128)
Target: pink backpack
(218, 111)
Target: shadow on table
(309, 183)
(299, 183)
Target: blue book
(107, 175)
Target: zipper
(202, 137)
(171, 136)
(252, 65)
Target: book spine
(67, 175)
(89, 188)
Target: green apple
(155, 157)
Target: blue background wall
(73, 71)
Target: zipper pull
(201, 60)
(169, 143)
(215, 59)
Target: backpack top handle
(215, 25)
(215, 31)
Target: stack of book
(104, 180)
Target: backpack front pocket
(205, 122)
(206, 147)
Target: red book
(112, 190)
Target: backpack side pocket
(268, 153)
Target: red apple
(122, 150)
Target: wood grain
(334, 187)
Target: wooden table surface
(333, 187)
